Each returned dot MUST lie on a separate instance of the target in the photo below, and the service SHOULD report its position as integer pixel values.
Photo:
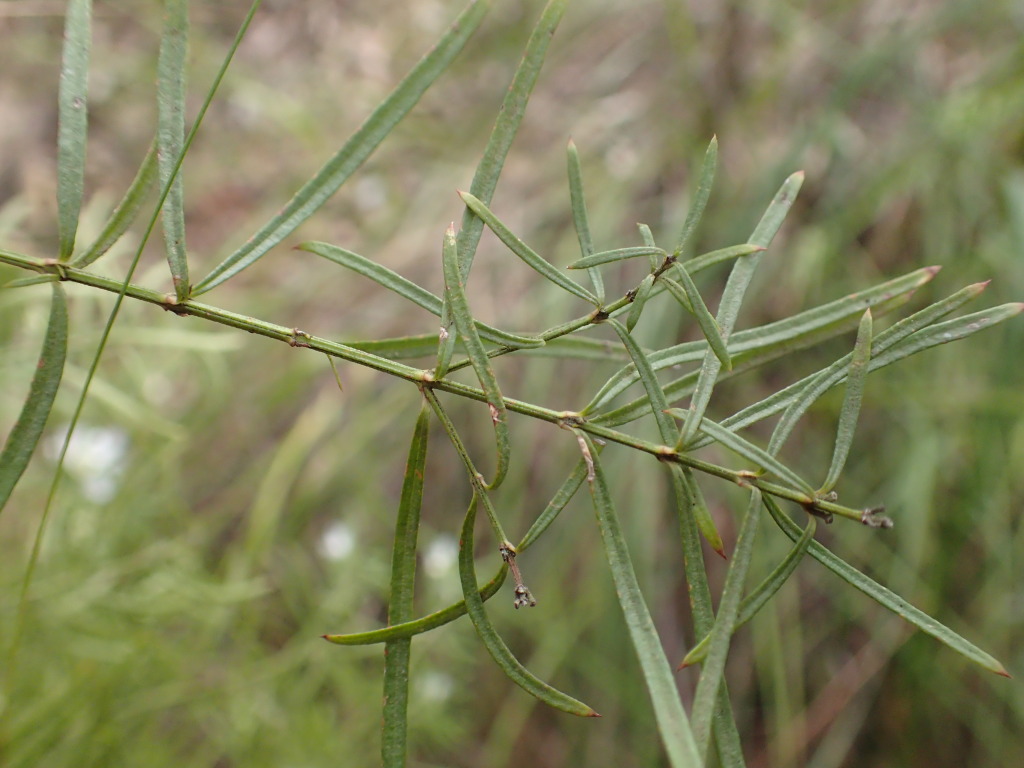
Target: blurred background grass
(225, 504)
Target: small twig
(523, 596)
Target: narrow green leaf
(477, 354)
(732, 298)
(700, 197)
(124, 214)
(678, 293)
(27, 430)
(725, 623)
(439, 618)
(699, 509)
(398, 347)
(170, 94)
(422, 624)
(668, 432)
(554, 507)
(524, 252)
(910, 335)
(708, 325)
(758, 598)
(513, 107)
(884, 596)
(751, 452)
(712, 258)
(640, 296)
(488, 170)
(356, 150)
(407, 289)
(855, 376)
(495, 646)
(673, 725)
(580, 218)
(818, 323)
(25, 282)
(400, 605)
(618, 254)
(72, 121)
(654, 259)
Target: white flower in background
(95, 458)
(338, 541)
(440, 556)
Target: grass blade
(495, 646)
(407, 289)
(477, 354)
(24, 436)
(855, 376)
(700, 197)
(618, 254)
(400, 606)
(170, 94)
(524, 252)
(758, 598)
(884, 596)
(579, 217)
(72, 121)
(732, 297)
(725, 623)
(125, 212)
(355, 151)
(673, 725)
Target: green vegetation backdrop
(224, 504)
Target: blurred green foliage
(225, 504)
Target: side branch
(292, 336)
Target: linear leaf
(579, 216)
(751, 452)
(855, 376)
(407, 289)
(700, 197)
(72, 121)
(513, 107)
(832, 315)
(725, 623)
(562, 497)
(698, 507)
(617, 254)
(524, 252)
(902, 336)
(708, 325)
(640, 296)
(668, 432)
(673, 724)
(124, 214)
(495, 646)
(760, 596)
(732, 298)
(422, 624)
(884, 596)
(477, 354)
(170, 94)
(355, 151)
(27, 430)
(400, 605)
